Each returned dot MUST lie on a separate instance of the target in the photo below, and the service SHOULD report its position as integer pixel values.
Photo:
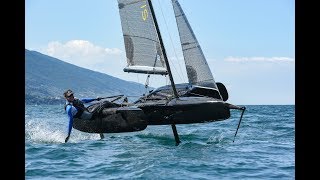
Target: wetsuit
(76, 110)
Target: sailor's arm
(87, 100)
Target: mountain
(46, 78)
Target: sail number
(144, 12)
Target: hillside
(46, 78)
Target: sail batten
(142, 44)
(197, 68)
(141, 37)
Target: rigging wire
(172, 45)
(146, 85)
(139, 83)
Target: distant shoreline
(42, 100)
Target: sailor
(75, 109)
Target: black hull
(113, 120)
(186, 112)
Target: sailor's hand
(67, 138)
(99, 98)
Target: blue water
(264, 148)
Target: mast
(163, 51)
(173, 126)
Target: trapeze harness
(78, 105)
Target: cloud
(259, 59)
(257, 80)
(80, 52)
(88, 55)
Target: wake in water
(44, 131)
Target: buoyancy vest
(78, 105)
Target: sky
(248, 44)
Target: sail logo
(144, 12)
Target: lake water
(264, 148)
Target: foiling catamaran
(201, 100)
